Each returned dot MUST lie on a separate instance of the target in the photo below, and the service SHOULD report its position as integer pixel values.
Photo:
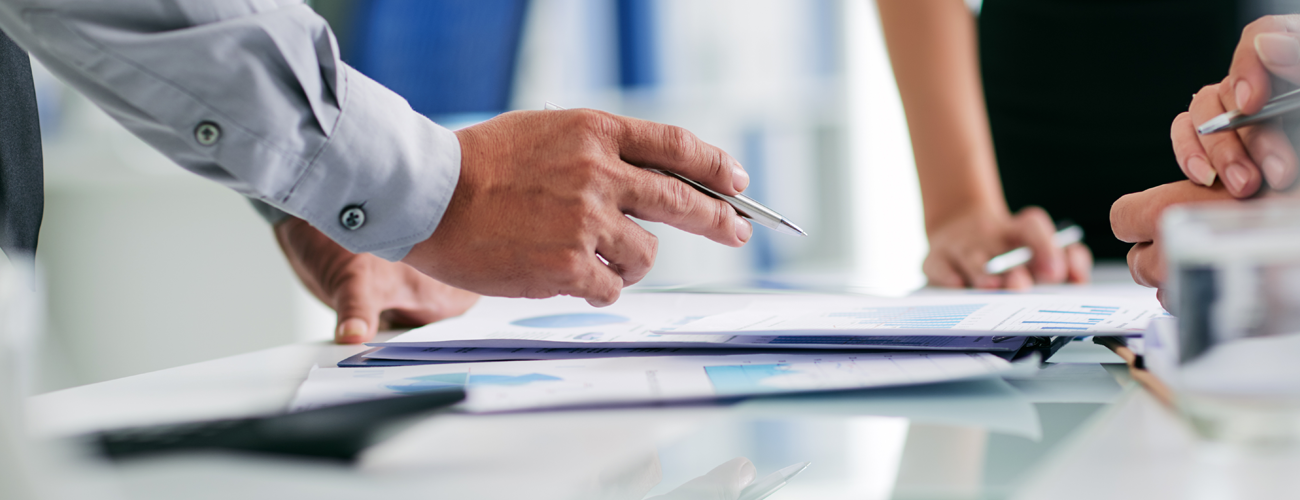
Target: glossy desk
(1079, 429)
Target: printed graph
(425, 383)
(1067, 318)
(911, 317)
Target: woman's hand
(963, 245)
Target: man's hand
(960, 248)
(1135, 218)
(1243, 159)
(369, 293)
(544, 198)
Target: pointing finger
(666, 147)
(658, 198)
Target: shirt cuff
(269, 213)
(393, 164)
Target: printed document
(968, 314)
(649, 320)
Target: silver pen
(1005, 262)
(744, 205)
(1233, 120)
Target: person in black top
(1058, 104)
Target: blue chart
(912, 317)
(571, 320)
(1076, 318)
(729, 380)
(448, 380)
(867, 340)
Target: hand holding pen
(970, 249)
(1231, 147)
(745, 206)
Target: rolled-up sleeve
(252, 94)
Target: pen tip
(796, 229)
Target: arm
(292, 123)
(252, 94)
(932, 47)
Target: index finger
(648, 144)
(1135, 218)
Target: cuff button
(207, 133)
(352, 217)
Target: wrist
(995, 211)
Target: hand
(961, 247)
(543, 200)
(369, 293)
(1135, 218)
(1246, 157)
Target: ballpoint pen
(1003, 263)
(1232, 120)
(745, 206)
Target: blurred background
(148, 266)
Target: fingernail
(1242, 90)
(1235, 178)
(743, 229)
(1277, 49)
(1201, 170)
(1276, 173)
(350, 331)
(739, 177)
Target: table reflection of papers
(990, 403)
(522, 385)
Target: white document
(970, 314)
(634, 321)
(522, 385)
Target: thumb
(1280, 53)
(358, 314)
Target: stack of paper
(657, 324)
(661, 347)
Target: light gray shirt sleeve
(298, 128)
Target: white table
(1133, 448)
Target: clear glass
(1234, 272)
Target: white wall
(811, 79)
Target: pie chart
(570, 320)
